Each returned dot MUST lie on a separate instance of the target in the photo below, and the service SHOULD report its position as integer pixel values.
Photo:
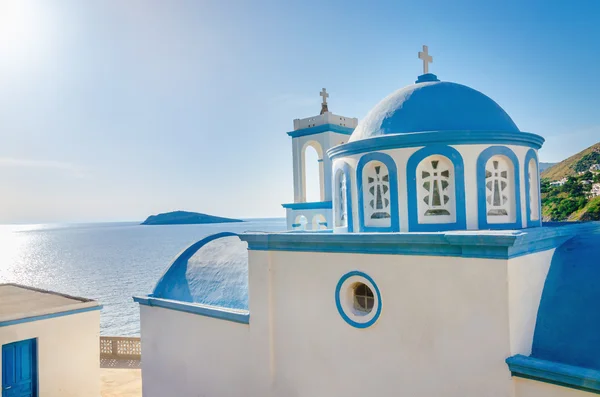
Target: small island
(185, 218)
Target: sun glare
(23, 32)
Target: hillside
(185, 218)
(579, 162)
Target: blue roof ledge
(555, 373)
(504, 244)
(321, 128)
(309, 206)
(220, 313)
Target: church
(424, 270)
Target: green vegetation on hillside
(571, 200)
(579, 162)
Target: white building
(49, 344)
(595, 189)
(321, 133)
(438, 278)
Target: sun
(23, 32)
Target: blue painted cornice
(321, 128)
(396, 141)
(221, 313)
(556, 373)
(468, 244)
(309, 206)
(7, 323)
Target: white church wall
(68, 353)
(186, 354)
(531, 388)
(526, 278)
(443, 328)
(469, 153)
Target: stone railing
(120, 347)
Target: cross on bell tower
(325, 95)
(427, 59)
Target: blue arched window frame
(459, 185)
(531, 154)
(393, 173)
(481, 203)
(345, 169)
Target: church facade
(436, 276)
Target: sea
(110, 262)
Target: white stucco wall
(470, 154)
(68, 353)
(446, 327)
(443, 329)
(526, 278)
(186, 354)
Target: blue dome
(213, 271)
(434, 106)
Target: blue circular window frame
(338, 302)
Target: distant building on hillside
(595, 192)
(559, 183)
(595, 168)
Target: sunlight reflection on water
(110, 262)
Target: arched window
(378, 193)
(312, 172)
(300, 223)
(376, 180)
(342, 193)
(532, 189)
(498, 181)
(341, 210)
(436, 189)
(319, 222)
(500, 190)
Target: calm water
(110, 262)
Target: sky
(114, 110)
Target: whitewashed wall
(68, 353)
(186, 354)
(446, 327)
(470, 154)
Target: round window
(358, 299)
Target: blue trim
(481, 202)
(48, 316)
(412, 139)
(309, 206)
(345, 168)
(221, 313)
(393, 176)
(466, 244)
(532, 155)
(459, 189)
(341, 309)
(321, 128)
(555, 373)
